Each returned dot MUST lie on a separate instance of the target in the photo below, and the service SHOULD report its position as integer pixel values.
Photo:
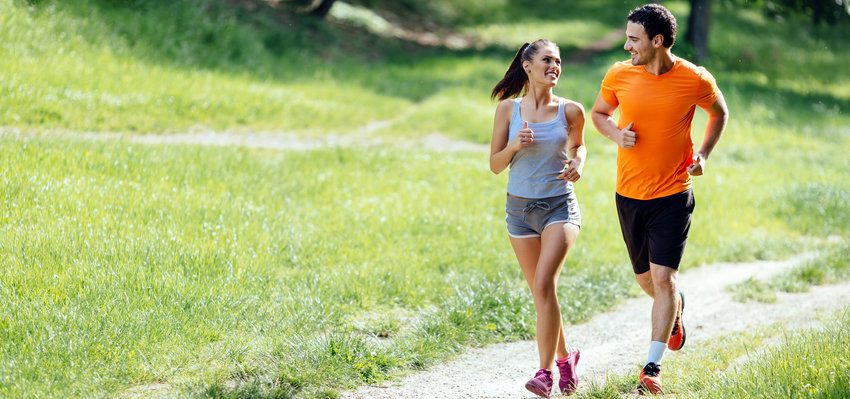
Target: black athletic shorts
(656, 230)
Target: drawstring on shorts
(534, 204)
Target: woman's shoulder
(508, 102)
(571, 107)
(505, 108)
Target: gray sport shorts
(527, 217)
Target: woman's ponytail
(514, 80)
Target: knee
(664, 284)
(645, 280)
(544, 289)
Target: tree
(321, 9)
(697, 34)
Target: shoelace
(651, 370)
(565, 366)
(535, 204)
(542, 373)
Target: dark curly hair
(656, 20)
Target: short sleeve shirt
(662, 110)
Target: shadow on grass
(265, 43)
(811, 108)
(250, 38)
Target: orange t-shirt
(662, 109)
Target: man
(657, 93)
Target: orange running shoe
(677, 336)
(650, 379)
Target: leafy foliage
(820, 11)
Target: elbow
(496, 168)
(597, 119)
(722, 112)
(722, 117)
(496, 164)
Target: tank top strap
(516, 114)
(561, 115)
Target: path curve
(616, 341)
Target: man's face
(638, 44)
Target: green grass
(830, 268)
(805, 364)
(296, 274)
(163, 67)
(808, 365)
(768, 362)
(154, 67)
(130, 265)
(691, 371)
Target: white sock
(656, 351)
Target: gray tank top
(534, 169)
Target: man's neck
(662, 63)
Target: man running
(657, 93)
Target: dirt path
(287, 141)
(615, 342)
(267, 140)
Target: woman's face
(545, 67)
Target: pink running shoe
(569, 378)
(541, 384)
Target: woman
(541, 137)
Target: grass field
(296, 274)
(768, 362)
(223, 260)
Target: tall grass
(810, 364)
(767, 362)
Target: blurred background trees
(428, 15)
(819, 11)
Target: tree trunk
(322, 9)
(698, 21)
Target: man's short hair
(656, 20)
